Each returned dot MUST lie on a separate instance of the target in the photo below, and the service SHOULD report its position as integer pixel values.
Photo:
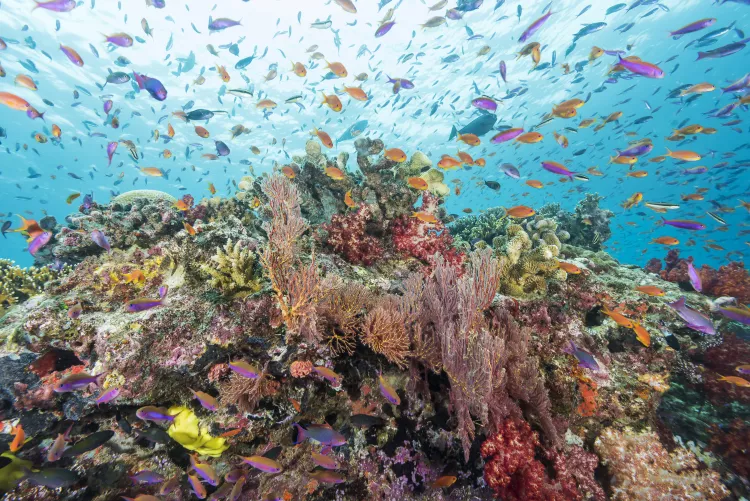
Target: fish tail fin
(669, 153)
(458, 137)
(300, 434)
(454, 133)
(36, 6)
(100, 378)
(701, 55)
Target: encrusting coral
(232, 270)
(641, 468)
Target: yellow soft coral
(186, 430)
(12, 473)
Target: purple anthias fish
(506, 135)
(153, 86)
(557, 169)
(88, 201)
(107, 396)
(694, 319)
(72, 56)
(159, 4)
(695, 170)
(511, 171)
(485, 103)
(384, 28)
(100, 239)
(320, 433)
(726, 50)
(695, 278)
(642, 68)
(76, 382)
(222, 23)
(403, 83)
(56, 5)
(33, 113)
(108, 106)
(637, 150)
(739, 85)
(156, 414)
(453, 14)
(693, 27)
(470, 5)
(741, 315)
(534, 27)
(147, 477)
(504, 71)
(683, 224)
(120, 39)
(39, 241)
(111, 148)
(143, 304)
(726, 110)
(222, 149)
(585, 359)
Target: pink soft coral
(416, 238)
(347, 236)
(514, 474)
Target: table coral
(641, 468)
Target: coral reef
(588, 225)
(641, 468)
(18, 284)
(347, 236)
(231, 270)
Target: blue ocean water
(450, 65)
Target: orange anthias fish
(425, 217)
(324, 138)
(520, 212)
(634, 200)
(470, 139)
(211, 188)
(449, 163)
(30, 227)
(535, 184)
(444, 481)
(332, 101)
(569, 268)
(530, 138)
(619, 318)
(19, 439)
(641, 334)
(349, 201)
(356, 93)
(231, 433)
(395, 155)
(201, 132)
(417, 183)
(651, 290)
(465, 158)
(481, 162)
(335, 173)
(666, 241)
(736, 380)
(181, 206)
(152, 171)
(170, 130)
(337, 69)
(189, 228)
(288, 172)
(135, 276)
(299, 69)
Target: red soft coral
(729, 280)
(416, 238)
(514, 474)
(347, 236)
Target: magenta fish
(534, 27)
(100, 239)
(585, 359)
(153, 86)
(143, 304)
(120, 39)
(56, 5)
(108, 106)
(694, 319)
(263, 463)
(741, 315)
(684, 224)
(693, 27)
(506, 135)
(77, 381)
(388, 391)
(504, 71)
(33, 113)
(485, 103)
(695, 278)
(384, 28)
(321, 433)
(221, 24)
(156, 414)
(107, 396)
(642, 68)
(73, 56)
(39, 241)
(111, 148)
(147, 477)
(557, 168)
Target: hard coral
(641, 468)
(347, 236)
(416, 238)
(18, 284)
(232, 271)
